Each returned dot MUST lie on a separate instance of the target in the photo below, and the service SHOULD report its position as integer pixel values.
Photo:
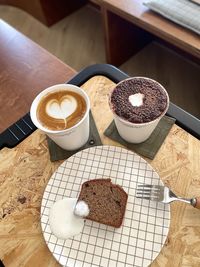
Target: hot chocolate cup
(137, 132)
(74, 137)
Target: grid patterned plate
(145, 227)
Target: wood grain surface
(26, 169)
(48, 12)
(139, 15)
(122, 38)
(25, 70)
(154, 61)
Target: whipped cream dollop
(61, 109)
(63, 222)
(136, 100)
(81, 209)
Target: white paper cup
(71, 138)
(137, 132)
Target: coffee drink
(60, 110)
(139, 100)
(137, 105)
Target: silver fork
(163, 194)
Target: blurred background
(78, 40)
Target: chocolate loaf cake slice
(106, 201)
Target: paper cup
(136, 132)
(71, 138)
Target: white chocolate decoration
(136, 100)
(81, 209)
(61, 109)
(63, 223)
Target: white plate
(146, 223)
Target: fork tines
(148, 191)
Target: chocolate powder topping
(154, 101)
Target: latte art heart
(61, 109)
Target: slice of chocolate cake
(106, 201)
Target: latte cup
(137, 132)
(71, 138)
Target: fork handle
(196, 202)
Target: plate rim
(114, 150)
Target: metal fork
(163, 194)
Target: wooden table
(48, 12)
(129, 26)
(25, 70)
(26, 169)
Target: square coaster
(150, 147)
(58, 153)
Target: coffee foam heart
(61, 109)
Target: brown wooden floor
(78, 41)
